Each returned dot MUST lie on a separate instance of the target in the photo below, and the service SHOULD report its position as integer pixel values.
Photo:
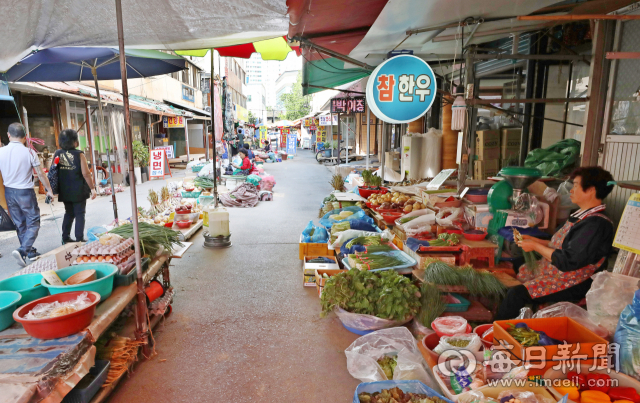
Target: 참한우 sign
(401, 89)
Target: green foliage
(295, 104)
(252, 118)
(140, 154)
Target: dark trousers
(519, 297)
(25, 213)
(74, 210)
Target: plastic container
(218, 221)
(454, 203)
(440, 332)
(404, 268)
(390, 218)
(123, 280)
(480, 330)
(478, 196)
(184, 224)
(90, 384)
(103, 285)
(61, 326)
(8, 302)
(474, 237)
(190, 195)
(430, 342)
(463, 306)
(364, 192)
(169, 224)
(453, 231)
(28, 285)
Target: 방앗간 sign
(401, 89)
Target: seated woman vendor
(245, 168)
(576, 251)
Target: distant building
(284, 85)
(257, 101)
(267, 72)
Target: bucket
(430, 342)
(218, 222)
(479, 330)
(8, 302)
(154, 290)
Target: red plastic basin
(390, 218)
(430, 342)
(474, 237)
(364, 192)
(479, 330)
(61, 326)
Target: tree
(274, 113)
(252, 118)
(295, 104)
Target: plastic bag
(609, 294)
(474, 343)
(556, 160)
(419, 331)
(474, 396)
(627, 337)
(362, 356)
(358, 214)
(449, 325)
(420, 224)
(345, 236)
(362, 322)
(575, 312)
(254, 180)
(94, 233)
(525, 313)
(55, 309)
(405, 386)
(6, 224)
(314, 234)
(452, 214)
(524, 396)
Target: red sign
(158, 164)
(348, 105)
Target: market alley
(242, 326)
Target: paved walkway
(243, 328)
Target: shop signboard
(328, 120)
(284, 133)
(348, 105)
(401, 89)
(158, 164)
(321, 134)
(167, 149)
(172, 122)
(307, 122)
(263, 133)
(292, 141)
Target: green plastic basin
(8, 302)
(103, 284)
(28, 285)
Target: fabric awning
(270, 49)
(201, 114)
(329, 73)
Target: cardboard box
(487, 145)
(581, 340)
(392, 160)
(309, 269)
(321, 280)
(511, 138)
(478, 215)
(485, 169)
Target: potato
(408, 208)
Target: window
(249, 98)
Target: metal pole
(368, 131)
(382, 145)
(90, 140)
(102, 131)
(186, 138)
(213, 135)
(141, 308)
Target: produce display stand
(46, 370)
(187, 233)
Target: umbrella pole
(368, 131)
(141, 307)
(113, 190)
(213, 135)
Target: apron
(548, 279)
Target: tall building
(267, 72)
(284, 85)
(257, 101)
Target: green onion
(151, 237)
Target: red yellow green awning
(270, 49)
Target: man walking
(17, 163)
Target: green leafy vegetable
(151, 237)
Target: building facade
(284, 85)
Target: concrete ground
(243, 328)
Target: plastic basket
(197, 168)
(84, 391)
(123, 280)
(404, 268)
(191, 195)
(463, 306)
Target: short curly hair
(68, 139)
(594, 177)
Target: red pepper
(624, 393)
(579, 380)
(599, 382)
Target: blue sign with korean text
(292, 140)
(401, 89)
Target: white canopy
(158, 24)
(397, 17)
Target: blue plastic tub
(90, 384)
(28, 285)
(8, 302)
(103, 285)
(404, 268)
(463, 306)
(356, 331)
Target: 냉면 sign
(401, 89)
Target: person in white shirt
(17, 163)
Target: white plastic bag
(450, 325)
(55, 309)
(364, 323)
(474, 345)
(344, 236)
(420, 224)
(362, 356)
(456, 214)
(575, 312)
(609, 294)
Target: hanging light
(458, 110)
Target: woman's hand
(528, 245)
(93, 194)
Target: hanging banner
(158, 164)
(172, 122)
(167, 149)
(263, 133)
(348, 105)
(328, 120)
(217, 113)
(284, 132)
(321, 134)
(401, 89)
(292, 142)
